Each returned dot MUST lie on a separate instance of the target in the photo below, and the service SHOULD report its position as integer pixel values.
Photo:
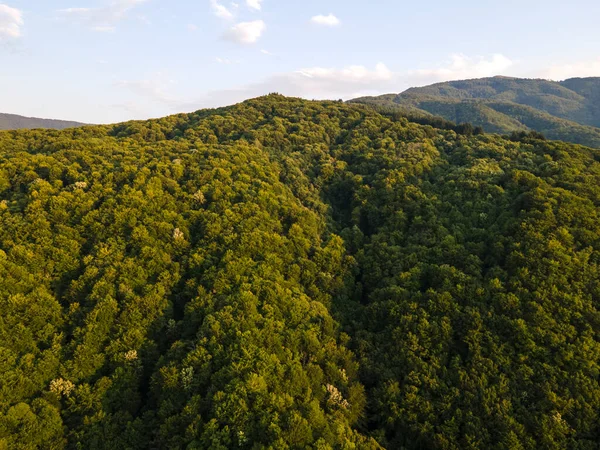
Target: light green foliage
(293, 274)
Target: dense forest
(289, 274)
(566, 110)
(14, 122)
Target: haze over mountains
(16, 122)
(567, 110)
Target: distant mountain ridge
(567, 110)
(16, 122)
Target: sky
(105, 61)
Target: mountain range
(15, 122)
(566, 110)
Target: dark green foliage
(568, 110)
(396, 114)
(294, 274)
(523, 136)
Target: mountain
(293, 274)
(14, 122)
(568, 110)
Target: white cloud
(359, 74)
(266, 52)
(327, 83)
(355, 81)
(105, 18)
(329, 21)
(462, 67)
(254, 4)
(246, 32)
(220, 10)
(11, 21)
(155, 97)
(571, 70)
(192, 27)
(315, 82)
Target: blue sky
(104, 61)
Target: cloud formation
(105, 18)
(11, 22)
(579, 69)
(355, 74)
(220, 10)
(329, 20)
(341, 83)
(461, 66)
(246, 32)
(254, 4)
(321, 83)
(355, 81)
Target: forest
(562, 110)
(292, 274)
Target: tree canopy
(293, 274)
(565, 110)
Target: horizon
(153, 59)
(284, 95)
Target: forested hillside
(14, 122)
(567, 110)
(290, 274)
